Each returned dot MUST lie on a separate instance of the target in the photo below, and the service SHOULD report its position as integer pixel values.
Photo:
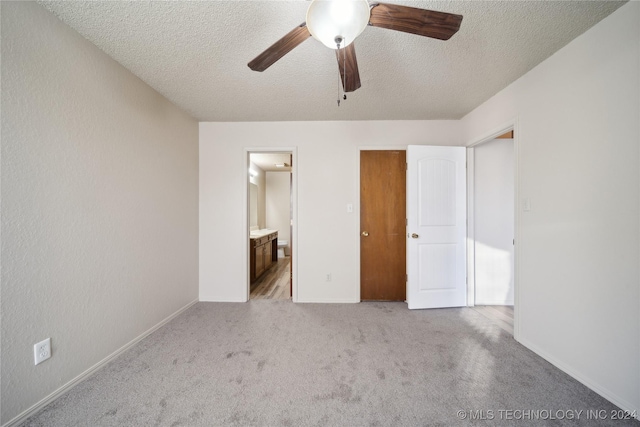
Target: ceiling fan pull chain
(338, 40)
(338, 91)
(344, 76)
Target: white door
(436, 227)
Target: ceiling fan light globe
(331, 19)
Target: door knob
(414, 235)
(365, 233)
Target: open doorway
(270, 214)
(492, 229)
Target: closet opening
(492, 195)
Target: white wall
(278, 203)
(494, 222)
(327, 168)
(578, 129)
(260, 180)
(99, 205)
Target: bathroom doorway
(270, 215)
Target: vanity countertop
(256, 234)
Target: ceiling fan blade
(423, 22)
(280, 48)
(347, 60)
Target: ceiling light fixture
(282, 165)
(337, 22)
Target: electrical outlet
(42, 351)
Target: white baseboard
(602, 391)
(318, 301)
(83, 376)
(493, 302)
(216, 299)
(328, 301)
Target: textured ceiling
(196, 53)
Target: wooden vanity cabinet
(263, 253)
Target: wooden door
(382, 225)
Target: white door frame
(506, 127)
(294, 214)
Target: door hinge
(406, 221)
(407, 165)
(406, 278)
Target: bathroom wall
(278, 203)
(260, 180)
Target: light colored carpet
(275, 363)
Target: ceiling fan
(336, 23)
